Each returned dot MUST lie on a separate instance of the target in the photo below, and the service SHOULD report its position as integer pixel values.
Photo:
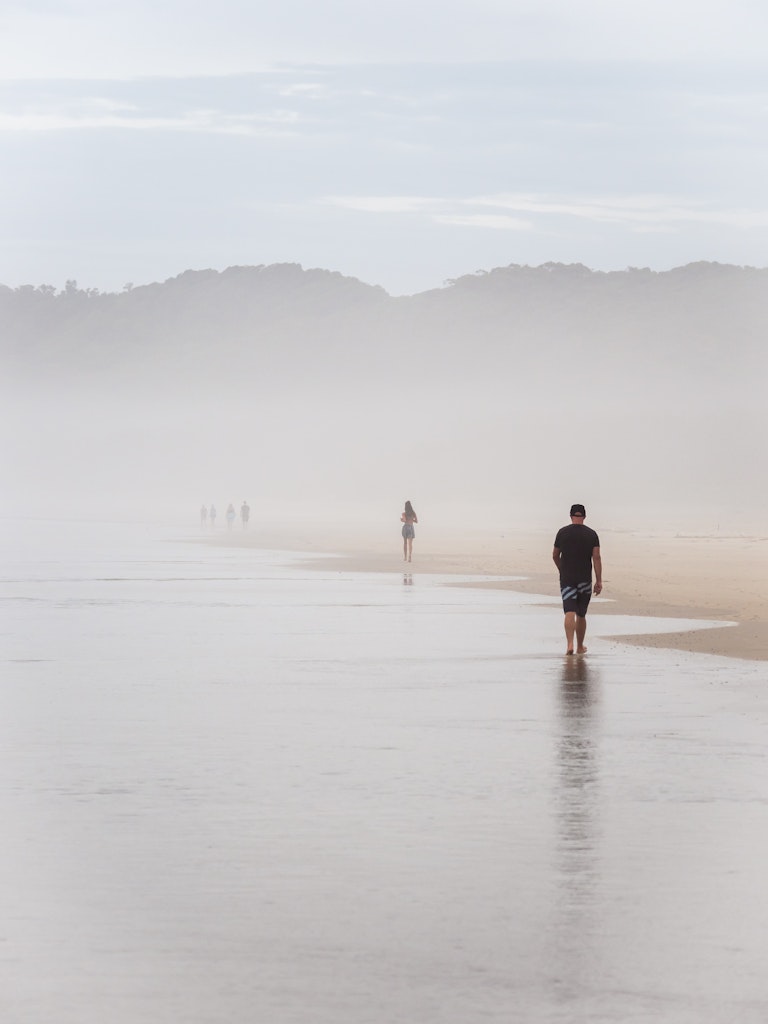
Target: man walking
(576, 551)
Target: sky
(404, 144)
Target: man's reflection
(576, 808)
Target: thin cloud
(497, 222)
(383, 204)
(104, 114)
(639, 214)
(310, 90)
(94, 39)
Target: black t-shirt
(576, 543)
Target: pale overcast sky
(403, 143)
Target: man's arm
(597, 562)
(556, 553)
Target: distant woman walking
(408, 518)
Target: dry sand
(707, 577)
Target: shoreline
(668, 576)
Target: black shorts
(576, 597)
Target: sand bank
(707, 577)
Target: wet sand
(237, 790)
(673, 576)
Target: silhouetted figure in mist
(212, 515)
(203, 515)
(576, 551)
(408, 518)
(230, 515)
(245, 514)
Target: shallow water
(237, 790)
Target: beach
(674, 575)
(246, 782)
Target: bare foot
(569, 651)
(581, 650)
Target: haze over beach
(495, 398)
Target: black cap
(578, 510)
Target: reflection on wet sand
(577, 822)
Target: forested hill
(705, 319)
(189, 319)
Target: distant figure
(212, 514)
(245, 514)
(230, 515)
(203, 515)
(408, 518)
(576, 551)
